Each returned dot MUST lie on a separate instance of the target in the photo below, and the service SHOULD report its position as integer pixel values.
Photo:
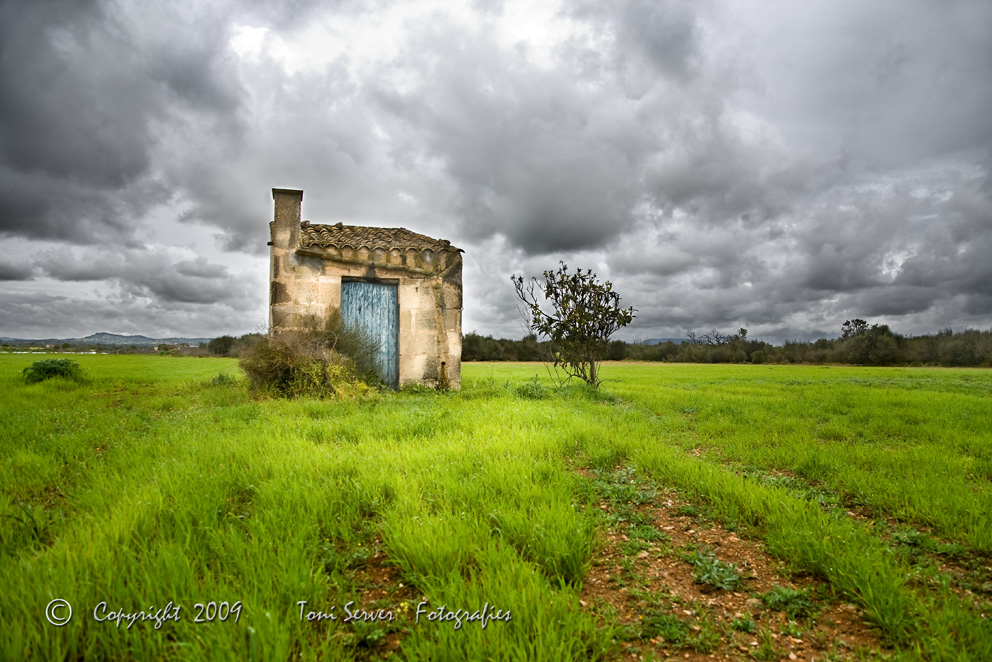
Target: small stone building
(402, 288)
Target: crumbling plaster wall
(307, 282)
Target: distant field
(685, 509)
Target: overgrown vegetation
(321, 359)
(39, 371)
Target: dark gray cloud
(527, 153)
(150, 273)
(35, 314)
(15, 269)
(666, 36)
(877, 85)
(86, 90)
(315, 136)
(716, 172)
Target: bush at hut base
(317, 360)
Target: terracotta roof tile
(357, 236)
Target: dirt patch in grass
(379, 586)
(382, 580)
(658, 570)
(937, 562)
(971, 578)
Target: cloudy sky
(777, 165)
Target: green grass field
(163, 480)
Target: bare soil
(634, 579)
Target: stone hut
(402, 288)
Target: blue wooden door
(373, 309)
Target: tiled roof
(357, 236)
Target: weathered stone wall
(307, 282)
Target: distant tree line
(96, 348)
(231, 346)
(222, 346)
(858, 344)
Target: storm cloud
(780, 166)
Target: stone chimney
(286, 230)
(283, 313)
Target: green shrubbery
(796, 603)
(316, 360)
(712, 571)
(860, 344)
(224, 379)
(221, 346)
(39, 371)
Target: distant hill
(110, 339)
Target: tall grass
(158, 482)
(912, 444)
